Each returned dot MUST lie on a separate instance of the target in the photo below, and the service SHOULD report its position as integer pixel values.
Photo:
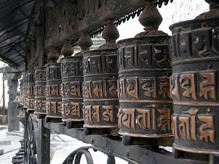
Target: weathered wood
(88, 21)
(36, 56)
(43, 146)
(13, 122)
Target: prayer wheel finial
(213, 12)
(67, 49)
(85, 42)
(110, 34)
(151, 19)
(53, 56)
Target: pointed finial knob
(53, 56)
(213, 12)
(151, 19)
(67, 49)
(110, 34)
(85, 42)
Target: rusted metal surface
(99, 91)
(25, 89)
(40, 91)
(194, 84)
(144, 69)
(30, 91)
(100, 82)
(53, 90)
(72, 80)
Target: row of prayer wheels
(135, 86)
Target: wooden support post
(43, 143)
(13, 122)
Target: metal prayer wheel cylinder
(100, 88)
(143, 87)
(25, 89)
(21, 91)
(72, 80)
(195, 85)
(40, 91)
(30, 91)
(53, 91)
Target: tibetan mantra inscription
(71, 87)
(40, 91)
(30, 91)
(25, 89)
(100, 89)
(143, 87)
(194, 86)
(53, 91)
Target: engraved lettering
(87, 89)
(132, 87)
(144, 53)
(144, 119)
(174, 126)
(164, 119)
(121, 88)
(96, 114)
(174, 86)
(207, 129)
(75, 109)
(165, 87)
(187, 82)
(75, 88)
(149, 87)
(88, 113)
(208, 85)
(108, 113)
(128, 118)
(184, 128)
(66, 108)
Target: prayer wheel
(21, 91)
(72, 81)
(143, 85)
(25, 90)
(100, 83)
(40, 91)
(30, 91)
(53, 88)
(195, 83)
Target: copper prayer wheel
(143, 85)
(25, 88)
(30, 91)
(72, 80)
(144, 98)
(40, 91)
(53, 92)
(100, 88)
(195, 85)
(21, 91)
(100, 84)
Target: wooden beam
(114, 9)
